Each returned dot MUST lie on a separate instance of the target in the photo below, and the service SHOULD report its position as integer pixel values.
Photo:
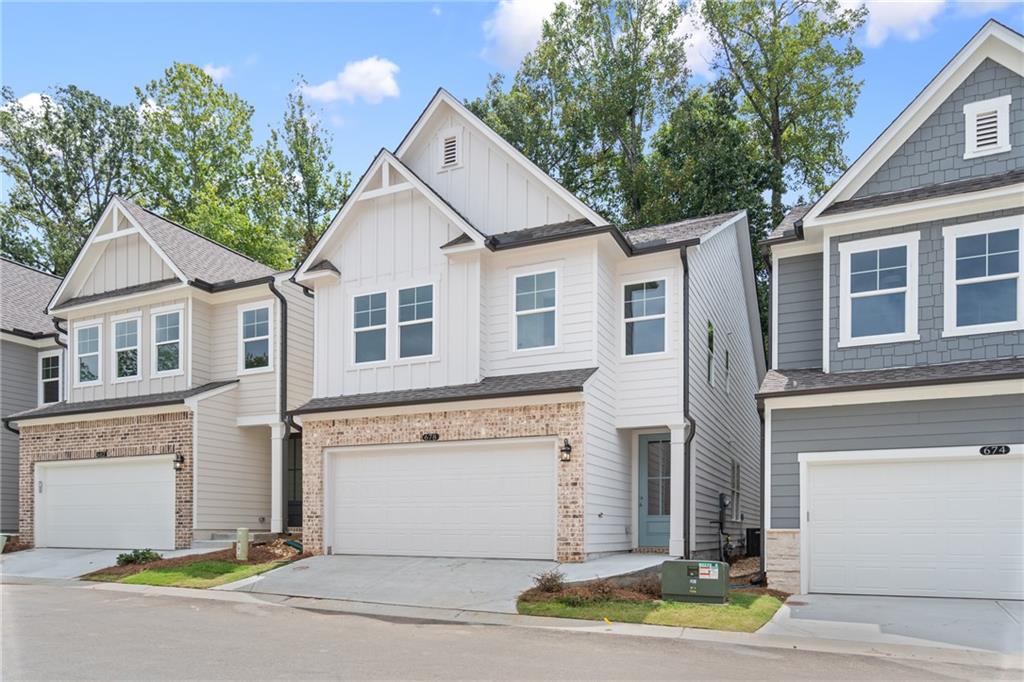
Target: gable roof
(993, 41)
(442, 96)
(24, 293)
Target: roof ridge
(682, 220)
(29, 267)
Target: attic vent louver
(987, 127)
(449, 151)
(986, 130)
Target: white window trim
(114, 319)
(515, 276)
(240, 350)
(179, 309)
(971, 111)
(950, 234)
(910, 240)
(432, 320)
(58, 353)
(457, 134)
(622, 316)
(78, 326)
(355, 330)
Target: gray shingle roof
(676, 233)
(198, 257)
(24, 294)
(114, 293)
(328, 266)
(779, 382)
(943, 189)
(536, 383)
(787, 228)
(109, 404)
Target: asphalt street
(60, 632)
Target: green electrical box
(695, 581)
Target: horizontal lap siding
(300, 345)
(914, 424)
(18, 366)
(799, 312)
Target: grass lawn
(201, 574)
(744, 612)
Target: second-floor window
(416, 321)
(878, 296)
(87, 354)
(370, 325)
(167, 343)
(254, 339)
(644, 315)
(49, 377)
(984, 277)
(126, 349)
(535, 310)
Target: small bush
(601, 589)
(550, 581)
(138, 556)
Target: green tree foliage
(793, 61)
(64, 160)
(584, 103)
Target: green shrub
(550, 581)
(138, 556)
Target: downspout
(764, 512)
(691, 424)
(305, 290)
(15, 431)
(65, 361)
(283, 398)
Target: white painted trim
(241, 309)
(153, 314)
(767, 482)
(515, 273)
(804, 523)
(117, 234)
(1001, 106)
(433, 320)
(373, 327)
(950, 234)
(188, 335)
(903, 394)
(258, 420)
(53, 352)
(134, 316)
(384, 191)
(118, 302)
(44, 342)
(826, 304)
(911, 304)
(77, 326)
(665, 351)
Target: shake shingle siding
(799, 312)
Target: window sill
(255, 370)
(639, 357)
(987, 152)
(167, 374)
(877, 340)
(975, 330)
(86, 384)
(125, 380)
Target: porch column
(676, 532)
(277, 478)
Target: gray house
(31, 363)
(894, 409)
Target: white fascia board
(443, 96)
(980, 388)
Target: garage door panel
(950, 527)
(493, 500)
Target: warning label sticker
(708, 570)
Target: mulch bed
(13, 545)
(258, 554)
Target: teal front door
(655, 484)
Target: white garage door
(123, 503)
(481, 499)
(936, 528)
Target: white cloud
(906, 19)
(33, 102)
(436, 10)
(976, 7)
(514, 28)
(700, 50)
(217, 73)
(371, 80)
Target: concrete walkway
(978, 624)
(63, 564)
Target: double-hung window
(416, 321)
(370, 325)
(254, 339)
(126, 348)
(87, 354)
(984, 277)
(535, 300)
(49, 377)
(644, 315)
(878, 290)
(167, 343)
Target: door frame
(807, 459)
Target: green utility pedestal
(695, 581)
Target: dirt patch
(745, 567)
(14, 545)
(642, 587)
(258, 554)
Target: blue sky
(373, 66)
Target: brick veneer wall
(151, 434)
(561, 420)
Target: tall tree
(603, 75)
(316, 190)
(65, 159)
(793, 61)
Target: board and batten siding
(798, 317)
(944, 422)
(19, 366)
(124, 262)
(232, 467)
(727, 424)
(493, 190)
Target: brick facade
(782, 560)
(140, 435)
(560, 420)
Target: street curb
(461, 616)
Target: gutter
(691, 424)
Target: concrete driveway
(982, 624)
(65, 563)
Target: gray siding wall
(728, 427)
(934, 153)
(924, 423)
(931, 348)
(20, 392)
(799, 313)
